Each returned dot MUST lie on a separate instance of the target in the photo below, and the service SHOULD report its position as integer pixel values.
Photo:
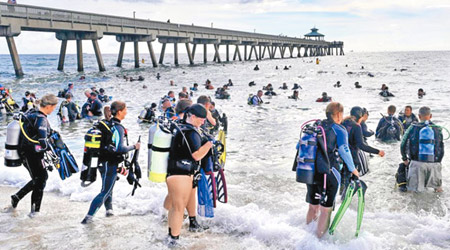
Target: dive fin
(361, 204)
(222, 193)
(344, 205)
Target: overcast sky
(363, 25)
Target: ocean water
(266, 208)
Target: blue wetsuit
(108, 168)
(327, 163)
(256, 100)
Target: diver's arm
(120, 136)
(42, 125)
(404, 143)
(380, 125)
(343, 149)
(210, 118)
(360, 141)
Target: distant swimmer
(256, 67)
(252, 83)
(284, 87)
(362, 67)
(357, 85)
(230, 83)
(337, 85)
(285, 68)
(209, 85)
(383, 86)
(317, 61)
(294, 95)
(269, 90)
(221, 93)
(296, 86)
(386, 93)
(194, 87)
(255, 99)
(172, 83)
(158, 76)
(389, 127)
(276, 67)
(420, 93)
(371, 75)
(141, 78)
(324, 98)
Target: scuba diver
(422, 150)
(407, 117)
(357, 144)
(181, 108)
(357, 85)
(183, 96)
(167, 109)
(256, 67)
(92, 107)
(172, 83)
(194, 87)
(365, 131)
(285, 68)
(296, 86)
(209, 85)
(385, 93)
(323, 183)
(221, 93)
(324, 98)
(230, 83)
(69, 89)
(158, 76)
(112, 153)
(210, 121)
(284, 87)
(338, 84)
(255, 99)
(188, 148)
(103, 97)
(420, 93)
(389, 128)
(269, 90)
(71, 109)
(294, 95)
(28, 102)
(171, 97)
(148, 114)
(34, 142)
(252, 83)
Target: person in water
(357, 85)
(183, 96)
(389, 127)
(294, 95)
(36, 126)
(210, 121)
(102, 96)
(230, 83)
(407, 117)
(285, 68)
(256, 99)
(256, 67)
(284, 87)
(296, 86)
(252, 83)
(386, 93)
(424, 161)
(167, 109)
(158, 76)
(209, 85)
(188, 148)
(92, 107)
(356, 141)
(420, 93)
(109, 160)
(325, 98)
(171, 83)
(321, 207)
(338, 84)
(28, 102)
(72, 109)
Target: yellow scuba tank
(160, 148)
(92, 143)
(12, 158)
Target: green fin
(361, 204)
(344, 205)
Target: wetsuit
(386, 93)
(95, 106)
(389, 128)
(366, 132)
(326, 99)
(37, 127)
(72, 110)
(407, 120)
(108, 163)
(25, 103)
(356, 142)
(181, 153)
(103, 98)
(169, 113)
(327, 163)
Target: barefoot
(438, 190)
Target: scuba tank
(2, 109)
(426, 143)
(142, 115)
(90, 157)
(162, 140)
(151, 134)
(64, 114)
(30, 105)
(12, 158)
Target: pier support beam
(98, 55)
(161, 56)
(306, 51)
(136, 54)
(227, 47)
(217, 56)
(264, 52)
(188, 50)
(175, 53)
(80, 55)
(245, 52)
(152, 54)
(205, 53)
(62, 54)
(291, 50)
(121, 51)
(193, 51)
(237, 53)
(14, 56)
(298, 51)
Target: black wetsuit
(389, 128)
(180, 151)
(366, 132)
(71, 110)
(410, 143)
(95, 106)
(37, 127)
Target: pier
(79, 26)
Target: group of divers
(187, 150)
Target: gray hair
(48, 100)
(424, 111)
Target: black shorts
(174, 169)
(315, 190)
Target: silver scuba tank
(151, 135)
(12, 158)
(65, 114)
(2, 109)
